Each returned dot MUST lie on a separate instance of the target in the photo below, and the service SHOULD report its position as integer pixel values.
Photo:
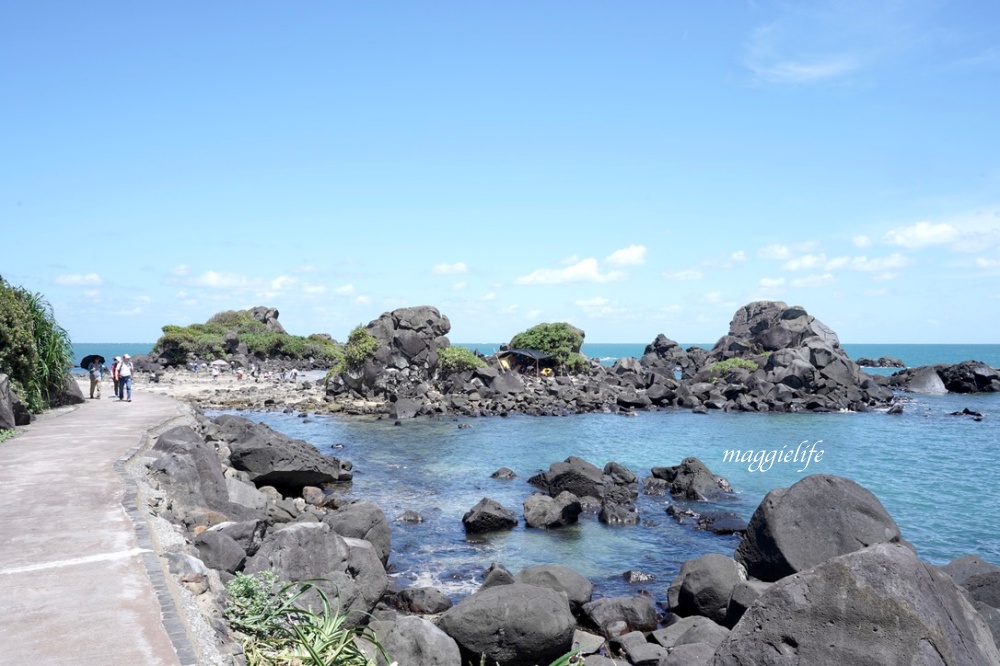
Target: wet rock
(488, 516)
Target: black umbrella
(87, 360)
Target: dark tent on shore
(525, 359)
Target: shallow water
(931, 471)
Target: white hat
(127, 356)
(118, 358)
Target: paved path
(78, 581)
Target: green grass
(7, 434)
(720, 368)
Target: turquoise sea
(932, 471)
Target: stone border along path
(80, 578)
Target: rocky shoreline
(775, 358)
(821, 574)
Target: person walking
(114, 375)
(125, 378)
(96, 375)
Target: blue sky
(631, 168)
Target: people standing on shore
(96, 375)
(125, 378)
(115, 377)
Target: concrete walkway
(79, 583)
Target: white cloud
(814, 280)
(583, 271)
(346, 290)
(599, 307)
(218, 280)
(805, 262)
(450, 269)
(78, 280)
(894, 260)
(283, 283)
(690, 274)
(887, 275)
(772, 282)
(633, 255)
(983, 262)
(861, 241)
(777, 252)
(738, 256)
(794, 72)
(713, 297)
(922, 234)
(314, 288)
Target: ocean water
(931, 470)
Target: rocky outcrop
(415, 641)
(578, 590)
(820, 517)
(880, 362)
(551, 512)
(13, 412)
(268, 317)
(407, 356)
(691, 480)
(879, 605)
(665, 357)
(704, 586)
(964, 377)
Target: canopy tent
(524, 358)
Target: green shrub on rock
(560, 340)
(458, 359)
(180, 344)
(720, 368)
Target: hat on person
(127, 356)
(118, 358)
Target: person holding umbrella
(94, 364)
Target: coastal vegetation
(35, 351)
(278, 632)
(721, 368)
(223, 333)
(361, 346)
(559, 340)
(458, 359)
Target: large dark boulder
(577, 589)
(879, 606)
(415, 641)
(551, 512)
(574, 475)
(636, 613)
(220, 551)
(271, 458)
(488, 516)
(362, 520)
(970, 377)
(69, 393)
(348, 570)
(6, 404)
(188, 469)
(423, 600)
(819, 517)
(512, 625)
(704, 586)
(962, 568)
(666, 355)
(692, 480)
